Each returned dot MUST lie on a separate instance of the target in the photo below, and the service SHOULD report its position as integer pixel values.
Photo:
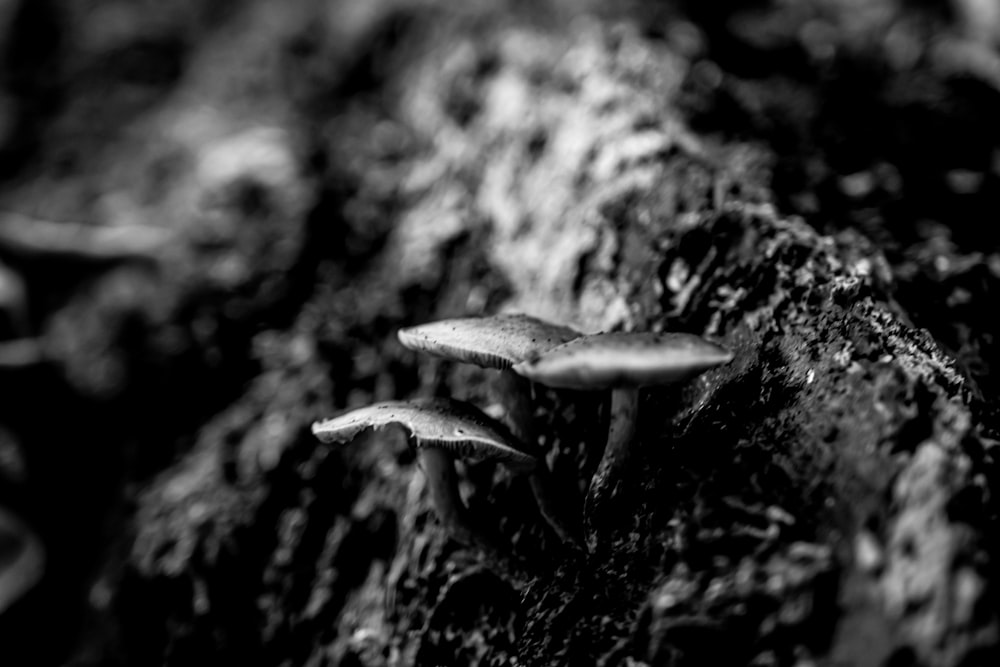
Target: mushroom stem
(439, 470)
(553, 505)
(607, 481)
(443, 483)
(440, 429)
(515, 392)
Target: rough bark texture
(823, 496)
(829, 497)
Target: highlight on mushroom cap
(454, 426)
(499, 341)
(609, 360)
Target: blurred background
(192, 198)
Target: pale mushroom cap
(454, 426)
(499, 341)
(608, 360)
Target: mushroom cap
(453, 426)
(499, 341)
(609, 360)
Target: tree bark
(828, 496)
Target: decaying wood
(826, 497)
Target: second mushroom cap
(608, 360)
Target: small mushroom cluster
(526, 349)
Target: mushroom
(439, 428)
(22, 559)
(622, 362)
(499, 342)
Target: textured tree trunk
(828, 497)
